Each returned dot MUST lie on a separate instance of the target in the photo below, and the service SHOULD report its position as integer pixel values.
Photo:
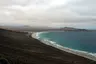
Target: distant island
(67, 29)
(72, 29)
(34, 29)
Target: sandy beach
(69, 50)
(22, 48)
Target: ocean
(83, 41)
(80, 43)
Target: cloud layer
(48, 13)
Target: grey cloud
(45, 14)
(83, 7)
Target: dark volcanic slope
(18, 48)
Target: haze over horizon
(48, 13)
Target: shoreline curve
(91, 56)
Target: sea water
(83, 40)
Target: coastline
(85, 54)
(22, 48)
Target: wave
(85, 54)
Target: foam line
(85, 54)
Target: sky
(49, 13)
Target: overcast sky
(49, 13)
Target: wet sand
(19, 48)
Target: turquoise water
(84, 41)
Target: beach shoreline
(22, 48)
(85, 54)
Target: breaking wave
(85, 54)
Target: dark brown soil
(18, 48)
